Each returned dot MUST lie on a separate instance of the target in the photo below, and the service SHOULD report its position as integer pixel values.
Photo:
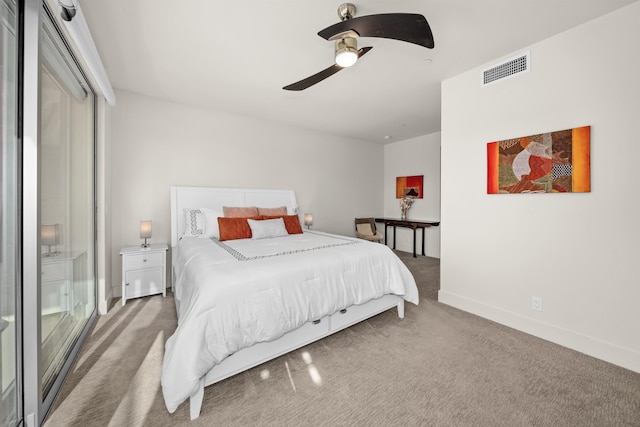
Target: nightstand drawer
(55, 271)
(134, 262)
(144, 282)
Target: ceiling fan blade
(407, 27)
(318, 77)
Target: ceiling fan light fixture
(346, 51)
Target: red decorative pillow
(235, 228)
(291, 222)
(281, 211)
(240, 212)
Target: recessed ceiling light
(387, 137)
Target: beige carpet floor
(438, 366)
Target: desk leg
(414, 242)
(423, 241)
(394, 237)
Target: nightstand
(144, 271)
(59, 273)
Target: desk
(407, 223)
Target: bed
(242, 302)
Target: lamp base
(49, 253)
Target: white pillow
(201, 222)
(262, 229)
(211, 222)
(194, 223)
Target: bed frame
(216, 198)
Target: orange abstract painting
(554, 162)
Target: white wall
(416, 156)
(578, 252)
(156, 144)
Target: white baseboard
(103, 306)
(609, 352)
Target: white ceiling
(236, 56)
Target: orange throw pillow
(281, 211)
(235, 228)
(291, 223)
(240, 212)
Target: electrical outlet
(536, 303)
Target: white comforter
(231, 295)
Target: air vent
(509, 68)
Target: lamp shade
(346, 51)
(346, 58)
(308, 219)
(50, 234)
(145, 229)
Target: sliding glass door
(10, 336)
(66, 204)
(58, 208)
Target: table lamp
(50, 236)
(308, 219)
(145, 233)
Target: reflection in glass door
(66, 203)
(10, 341)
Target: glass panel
(9, 336)
(66, 161)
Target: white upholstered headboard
(216, 198)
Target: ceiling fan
(407, 27)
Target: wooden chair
(366, 229)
